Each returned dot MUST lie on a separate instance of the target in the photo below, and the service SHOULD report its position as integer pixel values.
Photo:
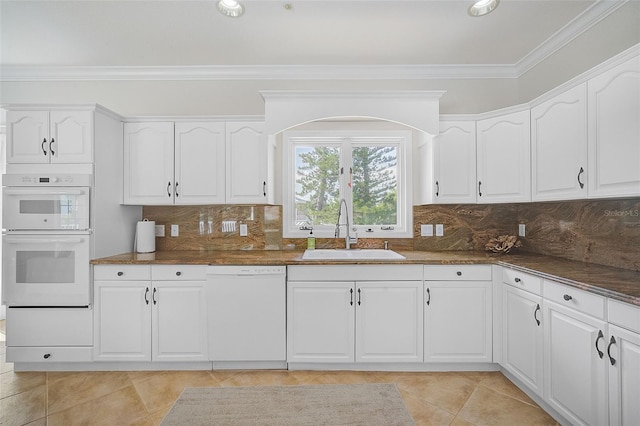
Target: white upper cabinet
(162, 167)
(559, 147)
(503, 158)
(199, 163)
(614, 132)
(454, 163)
(249, 164)
(148, 163)
(55, 136)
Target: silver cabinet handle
(169, 189)
(44, 151)
(51, 147)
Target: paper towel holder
(148, 236)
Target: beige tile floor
(144, 398)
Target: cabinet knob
(47, 356)
(120, 273)
(567, 297)
(516, 279)
(459, 273)
(178, 273)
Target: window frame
(347, 140)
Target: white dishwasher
(247, 313)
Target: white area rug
(361, 404)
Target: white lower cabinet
(458, 314)
(522, 336)
(375, 319)
(147, 313)
(320, 322)
(49, 335)
(389, 321)
(623, 352)
(575, 380)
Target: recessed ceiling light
(231, 8)
(482, 7)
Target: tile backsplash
(606, 232)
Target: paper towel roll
(145, 236)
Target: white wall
(135, 98)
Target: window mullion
(346, 183)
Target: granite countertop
(619, 284)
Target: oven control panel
(45, 180)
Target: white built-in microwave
(36, 203)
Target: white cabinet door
(247, 163)
(27, 136)
(575, 366)
(522, 337)
(179, 321)
(389, 321)
(148, 163)
(624, 376)
(559, 147)
(503, 158)
(454, 163)
(122, 321)
(71, 137)
(614, 132)
(458, 321)
(49, 137)
(199, 163)
(320, 322)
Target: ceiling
(324, 36)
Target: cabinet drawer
(49, 327)
(178, 272)
(121, 272)
(522, 280)
(49, 354)
(624, 315)
(457, 273)
(580, 300)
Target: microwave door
(46, 270)
(46, 209)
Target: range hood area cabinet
(167, 163)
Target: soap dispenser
(311, 241)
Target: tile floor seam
(535, 405)
(466, 401)
(83, 402)
(135, 388)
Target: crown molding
(587, 19)
(43, 73)
(13, 73)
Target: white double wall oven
(46, 240)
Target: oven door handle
(40, 240)
(44, 192)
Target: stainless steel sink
(352, 254)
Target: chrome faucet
(348, 240)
